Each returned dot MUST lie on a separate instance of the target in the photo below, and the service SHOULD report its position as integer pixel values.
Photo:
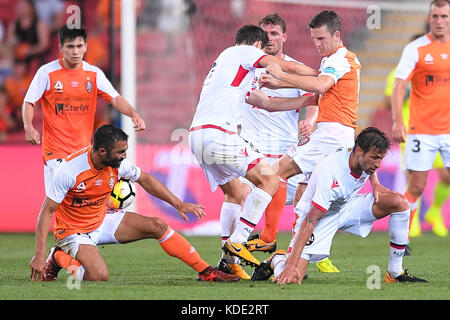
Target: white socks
(398, 236)
(229, 216)
(254, 207)
(278, 263)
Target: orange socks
(65, 261)
(176, 246)
(273, 213)
(412, 206)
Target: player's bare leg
(94, 266)
(441, 192)
(416, 183)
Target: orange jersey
(340, 103)
(426, 63)
(68, 100)
(83, 192)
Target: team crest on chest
(88, 85)
(112, 182)
(304, 141)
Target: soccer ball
(122, 195)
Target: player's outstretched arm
(296, 266)
(260, 99)
(157, 189)
(37, 263)
(288, 66)
(310, 83)
(122, 105)
(31, 134)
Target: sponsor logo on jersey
(79, 202)
(60, 108)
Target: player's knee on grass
(97, 274)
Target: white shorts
(222, 156)
(102, 235)
(50, 167)
(328, 137)
(421, 150)
(292, 182)
(354, 217)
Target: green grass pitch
(142, 271)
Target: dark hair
(372, 138)
(274, 19)
(439, 3)
(107, 135)
(250, 33)
(68, 34)
(328, 18)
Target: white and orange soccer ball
(122, 195)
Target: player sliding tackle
(78, 195)
(331, 202)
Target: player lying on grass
(78, 195)
(331, 202)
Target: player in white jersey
(272, 134)
(331, 202)
(220, 151)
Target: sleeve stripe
(256, 64)
(319, 206)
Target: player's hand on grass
(193, 208)
(290, 274)
(37, 265)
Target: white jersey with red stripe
(332, 184)
(225, 87)
(272, 133)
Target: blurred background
(176, 44)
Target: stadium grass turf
(141, 271)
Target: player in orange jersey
(425, 62)
(78, 195)
(67, 89)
